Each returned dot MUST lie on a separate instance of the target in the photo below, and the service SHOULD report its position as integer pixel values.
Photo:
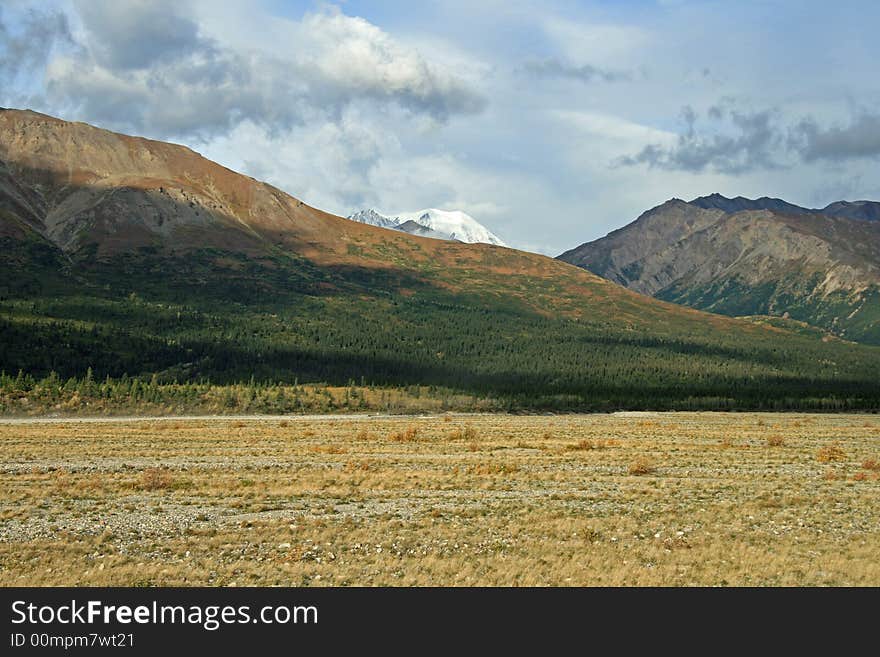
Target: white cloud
(596, 43)
(181, 82)
(350, 53)
(28, 37)
(609, 127)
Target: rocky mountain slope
(439, 224)
(752, 257)
(126, 256)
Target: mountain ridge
(861, 210)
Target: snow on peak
(373, 218)
(441, 224)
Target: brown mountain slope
(96, 194)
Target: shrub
(328, 449)
(582, 445)
(871, 464)
(408, 435)
(641, 466)
(468, 433)
(775, 441)
(831, 453)
(156, 479)
(830, 475)
(494, 468)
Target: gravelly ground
(458, 487)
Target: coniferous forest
(157, 335)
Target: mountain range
(438, 224)
(123, 256)
(861, 210)
(752, 257)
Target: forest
(144, 331)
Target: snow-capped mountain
(373, 218)
(439, 224)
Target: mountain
(861, 210)
(127, 257)
(740, 204)
(373, 218)
(411, 227)
(439, 224)
(752, 257)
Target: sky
(551, 122)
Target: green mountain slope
(139, 258)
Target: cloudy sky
(551, 122)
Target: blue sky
(550, 122)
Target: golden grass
(457, 500)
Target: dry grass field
(625, 499)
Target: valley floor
(621, 499)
